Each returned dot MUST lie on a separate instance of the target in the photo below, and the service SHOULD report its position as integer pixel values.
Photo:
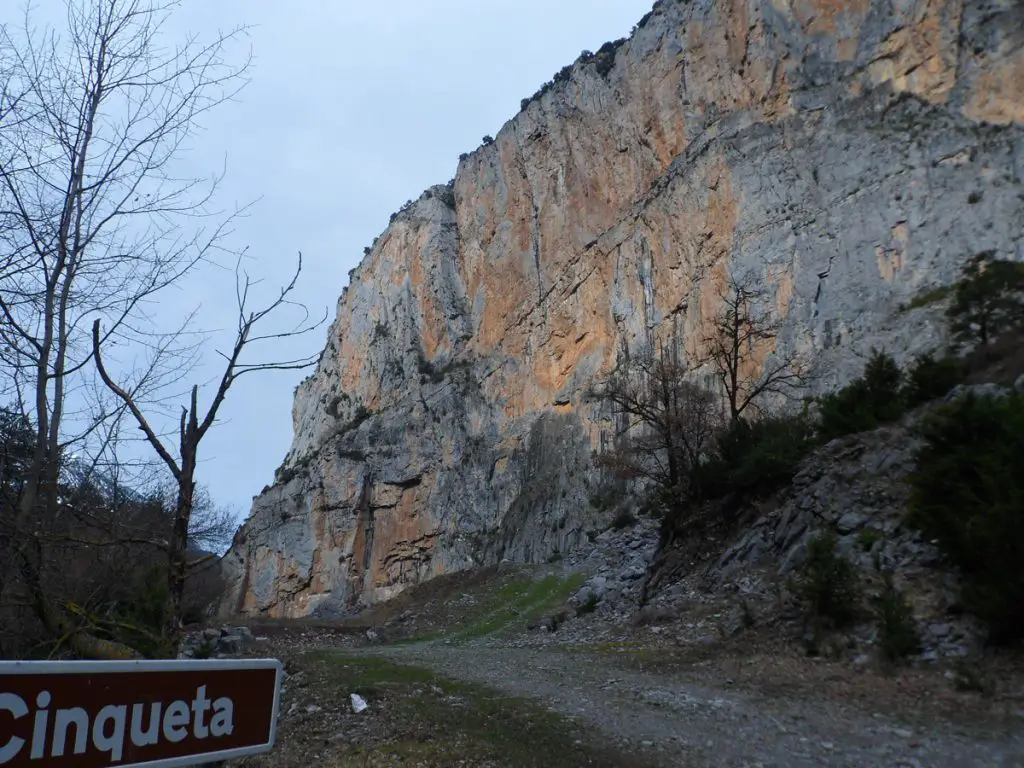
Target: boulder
(230, 644)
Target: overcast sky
(353, 108)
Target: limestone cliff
(849, 154)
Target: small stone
(312, 709)
(851, 522)
(903, 733)
(828, 745)
(358, 703)
(633, 573)
(646, 743)
(795, 559)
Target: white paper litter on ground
(358, 703)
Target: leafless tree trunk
(93, 222)
(742, 324)
(194, 425)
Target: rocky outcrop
(846, 155)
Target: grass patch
(513, 605)
(929, 297)
(428, 717)
(369, 676)
(520, 602)
(616, 647)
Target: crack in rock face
(847, 156)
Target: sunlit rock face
(846, 155)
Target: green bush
(897, 632)
(874, 398)
(928, 297)
(757, 456)
(204, 650)
(929, 378)
(138, 618)
(828, 584)
(967, 494)
(867, 538)
(625, 519)
(607, 495)
(589, 606)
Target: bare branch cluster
(95, 223)
(666, 423)
(744, 328)
(669, 427)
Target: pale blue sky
(353, 108)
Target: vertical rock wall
(847, 155)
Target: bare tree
(742, 324)
(94, 222)
(194, 423)
(667, 423)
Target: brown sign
(160, 713)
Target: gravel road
(683, 724)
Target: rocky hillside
(847, 155)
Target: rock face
(845, 155)
(856, 487)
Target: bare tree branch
(743, 326)
(193, 427)
(93, 225)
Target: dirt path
(687, 724)
(463, 681)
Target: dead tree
(195, 423)
(93, 223)
(742, 324)
(667, 423)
